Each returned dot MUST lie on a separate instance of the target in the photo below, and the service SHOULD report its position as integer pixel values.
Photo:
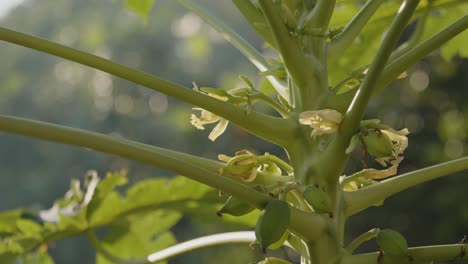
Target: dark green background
(35, 173)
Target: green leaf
(141, 7)
(266, 87)
(365, 46)
(37, 258)
(105, 202)
(139, 235)
(29, 228)
(8, 221)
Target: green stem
(427, 254)
(402, 63)
(238, 42)
(353, 29)
(306, 87)
(109, 256)
(363, 198)
(256, 19)
(267, 127)
(361, 99)
(415, 36)
(169, 160)
(321, 15)
(361, 239)
(270, 102)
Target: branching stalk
(259, 124)
(363, 198)
(363, 95)
(306, 87)
(402, 63)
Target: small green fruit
(272, 223)
(378, 145)
(318, 199)
(392, 243)
(235, 207)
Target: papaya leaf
(140, 7)
(139, 235)
(363, 49)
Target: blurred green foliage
(176, 45)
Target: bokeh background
(176, 45)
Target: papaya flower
(400, 143)
(325, 121)
(207, 117)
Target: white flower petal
(218, 129)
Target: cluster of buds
(245, 165)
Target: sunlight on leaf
(141, 7)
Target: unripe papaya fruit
(235, 207)
(392, 243)
(272, 223)
(318, 199)
(378, 145)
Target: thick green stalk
(363, 198)
(427, 254)
(301, 222)
(352, 30)
(304, 71)
(238, 42)
(415, 36)
(268, 127)
(181, 163)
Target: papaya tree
(330, 59)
